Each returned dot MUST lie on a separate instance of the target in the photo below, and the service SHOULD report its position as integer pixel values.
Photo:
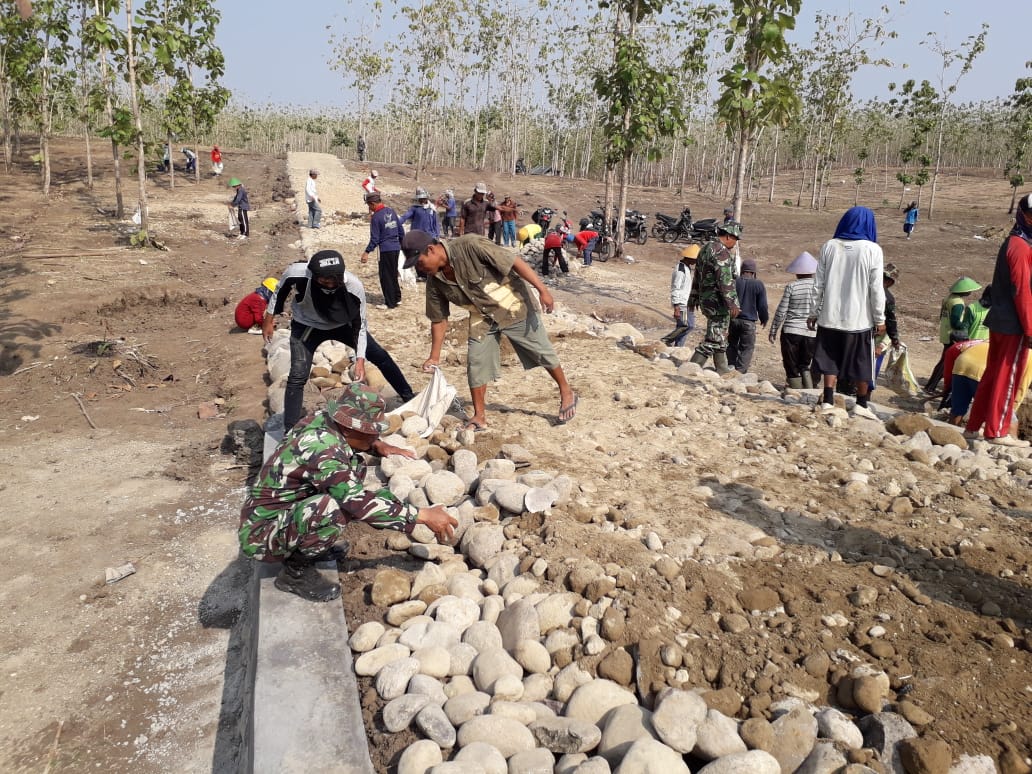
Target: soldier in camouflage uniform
(713, 291)
(313, 485)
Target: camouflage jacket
(315, 459)
(713, 289)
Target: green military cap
(734, 228)
(359, 408)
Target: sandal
(566, 413)
(474, 425)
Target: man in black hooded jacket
(329, 304)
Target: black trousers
(390, 282)
(741, 343)
(546, 260)
(303, 343)
(245, 224)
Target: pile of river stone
(486, 659)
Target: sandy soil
(136, 674)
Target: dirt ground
(107, 354)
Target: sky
(281, 57)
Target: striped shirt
(797, 304)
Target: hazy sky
(280, 56)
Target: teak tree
(1019, 107)
(750, 99)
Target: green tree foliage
(1019, 108)
(751, 98)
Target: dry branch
(82, 408)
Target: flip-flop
(566, 413)
(475, 426)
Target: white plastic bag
(897, 373)
(432, 403)
(232, 221)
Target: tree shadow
(859, 544)
(19, 337)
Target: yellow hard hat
(271, 283)
(691, 251)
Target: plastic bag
(432, 403)
(897, 374)
(232, 221)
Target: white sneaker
(255, 329)
(864, 412)
(824, 408)
(381, 306)
(242, 236)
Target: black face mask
(336, 305)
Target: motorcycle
(686, 229)
(521, 168)
(543, 217)
(635, 226)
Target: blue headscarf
(857, 223)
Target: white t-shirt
(310, 193)
(848, 285)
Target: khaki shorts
(529, 339)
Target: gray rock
(431, 552)
(483, 755)
(444, 488)
(973, 764)
(464, 463)
(404, 611)
(537, 687)
(482, 541)
(456, 767)
(425, 685)
(517, 622)
(556, 611)
(569, 679)
(647, 756)
(561, 639)
(621, 727)
(460, 613)
(401, 486)
(883, 731)
(507, 688)
(366, 636)
(751, 762)
(459, 685)
(823, 759)
(434, 661)
(413, 425)
(490, 665)
(393, 679)
(483, 635)
(520, 586)
(398, 713)
(516, 453)
(532, 656)
(499, 469)
(568, 763)
(794, 737)
(566, 735)
(417, 469)
(419, 757)
(428, 575)
(461, 708)
(369, 664)
(717, 736)
(838, 727)
(465, 585)
(508, 736)
(517, 710)
(593, 700)
(510, 496)
(422, 634)
(540, 498)
(502, 568)
(536, 761)
(462, 656)
(432, 721)
(677, 717)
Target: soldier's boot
(807, 380)
(700, 358)
(300, 577)
(338, 552)
(720, 363)
(795, 382)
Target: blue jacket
(423, 219)
(240, 199)
(752, 300)
(385, 231)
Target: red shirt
(554, 239)
(250, 310)
(216, 155)
(583, 237)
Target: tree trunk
(109, 115)
(774, 165)
(938, 159)
(141, 157)
(741, 162)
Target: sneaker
(1008, 440)
(255, 329)
(242, 236)
(381, 306)
(864, 412)
(824, 408)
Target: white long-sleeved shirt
(680, 285)
(311, 195)
(848, 290)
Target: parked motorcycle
(635, 226)
(688, 230)
(543, 217)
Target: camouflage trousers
(717, 328)
(311, 526)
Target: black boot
(338, 552)
(300, 577)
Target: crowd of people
(836, 321)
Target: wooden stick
(53, 748)
(82, 408)
(29, 367)
(76, 254)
